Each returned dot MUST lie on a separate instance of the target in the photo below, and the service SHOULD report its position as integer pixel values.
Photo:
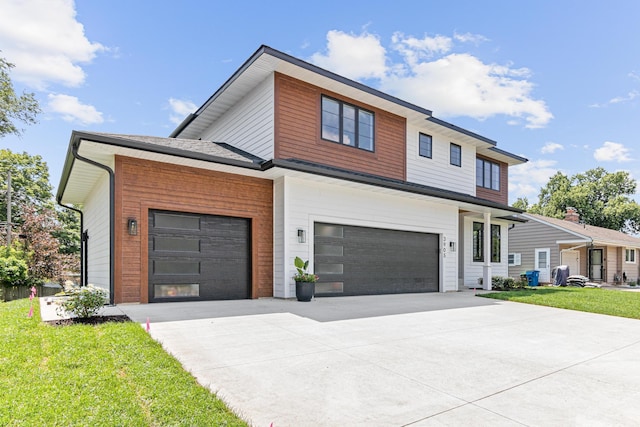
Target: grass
(108, 374)
(592, 300)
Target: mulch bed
(93, 320)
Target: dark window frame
(481, 174)
(428, 154)
(459, 154)
(341, 119)
(478, 242)
(630, 255)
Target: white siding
(310, 202)
(473, 270)
(248, 125)
(279, 242)
(96, 222)
(437, 171)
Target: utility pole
(9, 209)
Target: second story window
(487, 174)
(424, 145)
(347, 124)
(455, 154)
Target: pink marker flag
(148, 326)
(31, 312)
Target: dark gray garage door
(364, 261)
(198, 257)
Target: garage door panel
(198, 257)
(367, 261)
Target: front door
(572, 260)
(543, 264)
(596, 264)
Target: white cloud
(526, 180)
(629, 97)
(551, 147)
(72, 110)
(612, 152)
(430, 75)
(355, 57)
(180, 109)
(45, 42)
(470, 38)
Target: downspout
(82, 241)
(112, 211)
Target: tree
(29, 183)
(601, 198)
(23, 108)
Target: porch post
(486, 268)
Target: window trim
(632, 252)
(477, 242)
(420, 135)
(517, 259)
(492, 165)
(357, 110)
(451, 145)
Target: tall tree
(23, 108)
(602, 199)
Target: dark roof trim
(77, 136)
(302, 64)
(506, 153)
(361, 178)
(461, 130)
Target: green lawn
(592, 300)
(82, 375)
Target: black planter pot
(305, 290)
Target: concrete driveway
(420, 360)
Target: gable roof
(598, 235)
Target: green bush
(13, 267)
(82, 302)
(500, 283)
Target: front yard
(593, 300)
(108, 374)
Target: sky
(556, 82)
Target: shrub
(13, 267)
(500, 283)
(82, 302)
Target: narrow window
(424, 145)
(478, 241)
(630, 256)
(495, 243)
(347, 124)
(456, 154)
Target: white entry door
(543, 264)
(571, 259)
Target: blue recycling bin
(532, 277)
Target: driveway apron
(399, 360)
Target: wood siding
(298, 126)
(501, 196)
(142, 185)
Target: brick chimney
(572, 215)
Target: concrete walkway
(420, 360)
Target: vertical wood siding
(142, 185)
(501, 196)
(297, 132)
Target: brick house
(287, 159)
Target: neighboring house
(287, 159)
(601, 254)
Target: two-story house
(287, 159)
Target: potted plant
(305, 281)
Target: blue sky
(557, 82)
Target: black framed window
(630, 255)
(424, 145)
(487, 174)
(347, 124)
(455, 154)
(478, 242)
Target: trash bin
(532, 277)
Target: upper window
(487, 174)
(630, 256)
(347, 124)
(424, 145)
(455, 154)
(478, 242)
